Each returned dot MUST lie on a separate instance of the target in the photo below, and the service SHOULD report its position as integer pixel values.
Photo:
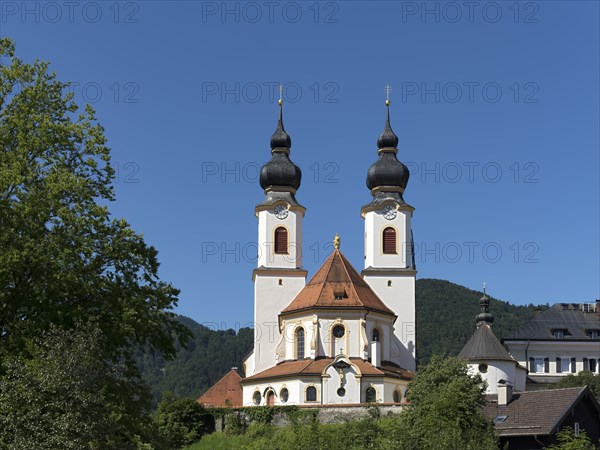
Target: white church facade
(343, 337)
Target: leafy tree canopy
(64, 260)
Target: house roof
(558, 317)
(337, 285)
(535, 412)
(315, 367)
(225, 392)
(484, 345)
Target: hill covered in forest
(445, 321)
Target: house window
(593, 334)
(376, 335)
(593, 363)
(558, 334)
(311, 394)
(389, 241)
(539, 365)
(284, 395)
(396, 397)
(563, 365)
(300, 343)
(371, 395)
(256, 398)
(483, 368)
(281, 240)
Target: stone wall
(325, 414)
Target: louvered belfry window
(281, 240)
(389, 241)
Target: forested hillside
(445, 321)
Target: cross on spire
(387, 90)
(484, 287)
(280, 93)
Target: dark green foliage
(583, 378)
(445, 409)
(567, 440)
(181, 421)
(65, 261)
(446, 317)
(198, 364)
(64, 396)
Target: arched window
(396, 397)
(256, 398)
(300, 343)
(389, 241)
(284, 395)
(371, 395)
(281, 240)
(376, 335)
(311, 394)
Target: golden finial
(280, 94)
(387, 89)
(336, 241)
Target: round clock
(389, 212)
(281, 212)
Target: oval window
(338, 331)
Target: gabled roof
(557, 318)
(484, 345)
(225, 392)
(315, 367)
(337, 285)
(536, 412)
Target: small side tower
(389, 263)
(486, 356)
(279, 276)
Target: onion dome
(387, 174)
(280, 177)
(485, 316)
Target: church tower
(279, 276)
(389, 260)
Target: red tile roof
(315, 367)
(337, 285)
(225, 392)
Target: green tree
(583, 378)
(445, 410)
(182, 421)
(63, 258)
(63, 396)
(568, 440)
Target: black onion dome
(387, 138)
(387, 171)
(280, 171)
(484, 306)
(280, 138)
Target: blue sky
(496, 105)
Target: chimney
(537, 312)
(505, 392)
(376, 353)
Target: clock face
(389, 212)
(281, 212)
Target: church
(343, 337)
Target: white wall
(499, 370)
(522, 351)
(267, 223)
(269, 299)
